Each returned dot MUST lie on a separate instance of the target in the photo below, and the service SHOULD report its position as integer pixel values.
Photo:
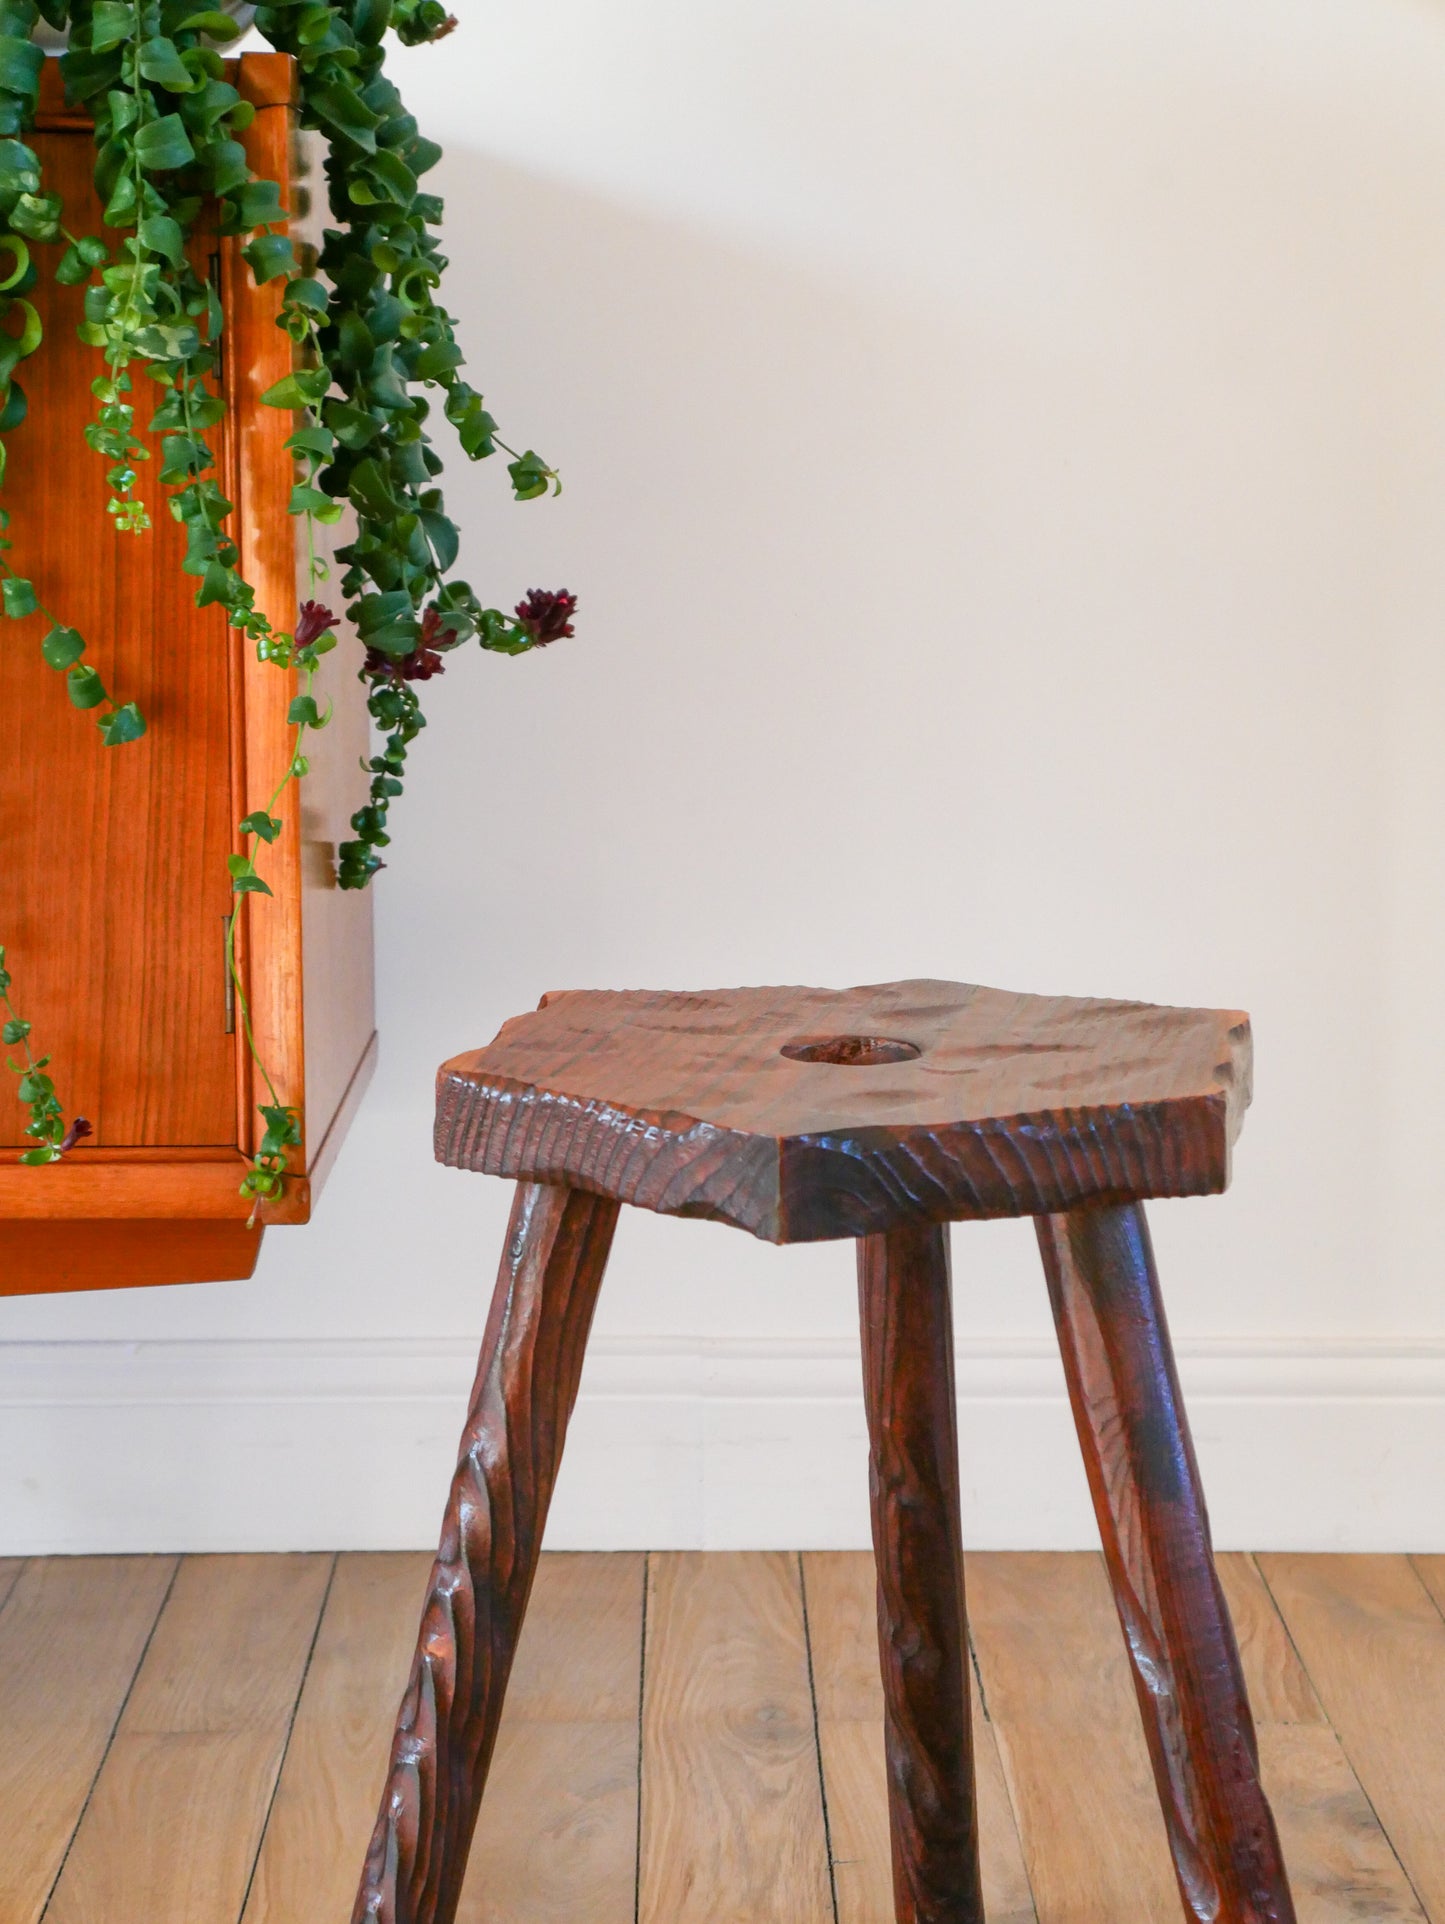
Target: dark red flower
(79, 1128)
(545, 616)
(312, 622)
(424, 661)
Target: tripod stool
(879, 1114)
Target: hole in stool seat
(850, 1051)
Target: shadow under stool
(880, 1114)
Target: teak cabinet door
(113, 887)
(113, 882)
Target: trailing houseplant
(376, 358)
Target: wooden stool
(880, 1114)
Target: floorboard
(10, 1568)
(1340, 1862)
(1279, 1690)
(172, 1830)
(72, 1634)
(843, 1629)
(1058, 1690)
(1431, 1572)
(557, 1838)
(326, 1800)
(164, 1699)
(1373, 1642)
(732, 1813)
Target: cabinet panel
(113, 880)
(113, 884)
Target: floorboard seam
(1339, 1735)
(290, 1730)
(817, 1738)
(110, 1740)
(641, 1700)
(14, 1582)
(1413, 1562)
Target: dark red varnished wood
(907, 1317)
(904, 1102)
(1147, 1494)
(526, 1385)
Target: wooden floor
(689, 1740)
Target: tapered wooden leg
(531, 1360)
(1150, 1505)
(907, 1316)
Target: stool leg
(907, 1317)
(531, 1360)
(1145, 1482)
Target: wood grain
(732, 1815)
(154, 1186)
(139, 834)
(37, 1258)
(841, 1593)
(906, 1312)
(326, 1800)
(173, 1826)
(1279, 1690)
(1431, 1572)
(1129, 1412)
(127, 841)
(558, 1830)
(1341, 1866)
(557, 1837)
(72, 1633)
(1374, 1645)
(10, 1568)
(531, 1360)
(307, 951)
(1008, 1104)
(1058, 1691)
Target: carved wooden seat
(880, 1114)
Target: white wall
(1005, 454)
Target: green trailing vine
(36, 1089)
(376, 359)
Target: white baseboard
(217, 1445)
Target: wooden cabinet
(113, 882)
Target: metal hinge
(230, 979)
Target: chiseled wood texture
(1007, 1105)
(732, 1813)
(1148, 1498)
(906, 1311)
(1373, 1642)
(531, 1360)
(557, 1838)
(840, 1587)
(325, 1802)
(121, 880)
(172, 1828)
(72, 1633)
